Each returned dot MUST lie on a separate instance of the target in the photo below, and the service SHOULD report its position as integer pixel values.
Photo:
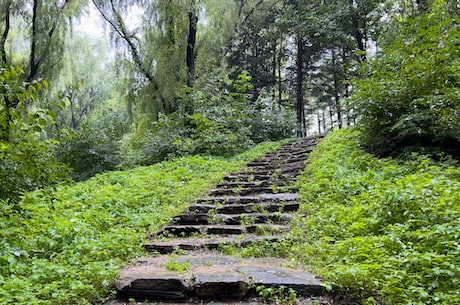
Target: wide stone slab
(305, 284)
(211, 276)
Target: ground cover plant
(65, 245)
(385, 230)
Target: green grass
(387, 231)
(66, 245)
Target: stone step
(208, 243)
(272, 161)
(244, 184)
(291, 206)
(260, 198)
(231, 219)
(242, 191)
(250, 177)
(188, 230)
(210, 276)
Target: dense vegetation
(188, 80)
(408, 98)
(382, 229)
(66, 245)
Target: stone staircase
(249, 207)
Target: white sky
(93, 24)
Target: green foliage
(26, 161)
(65, 246)
(281, 295)
(410, 94)
(380, 226)
(94, 147)
(173, 264)
(218, 120)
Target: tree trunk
(336, 89)
(280, 78)
(324, 122)
(5, 32)
(359, 36)
(331, 114)
(33, 64)
(191, 40)
(318, 118)
(300, 107)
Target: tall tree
(191, 41)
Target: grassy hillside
(66, 245)
(385, 230)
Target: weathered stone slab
(191, 219)
(152, 282)
(201, 208)
(225, 229)
(278, 197)
(165, 247)
(178, 230)
(305, 284)
(230, 199)
(219, 284)
(257, 218)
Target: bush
(26, 161)
(95, 147)
(271, 121)
(410, 95)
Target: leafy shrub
(65, 246)
(146, 147)
(271, 121)
(410, 95)
(381, 228)
(94, 148)
(26, 161)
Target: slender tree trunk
(280, 79)
(324, 122)
(300, 107)
(336, 89)
(319, 122)
(33, 64)
(191, 40)
(358, 34)
(5, 32)
(331, 114)
(346, 80)
(274, 66)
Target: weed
(173, 264)
(281, 295)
